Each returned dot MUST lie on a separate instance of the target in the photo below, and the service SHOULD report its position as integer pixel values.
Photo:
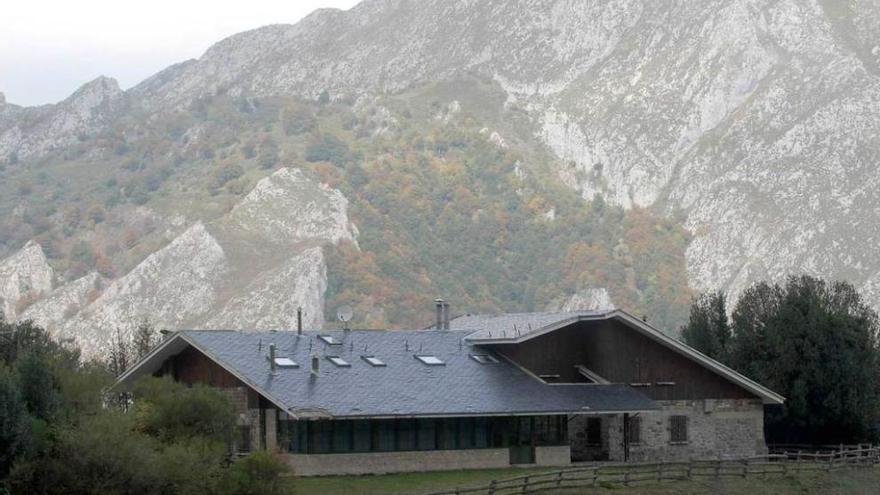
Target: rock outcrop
(24, 278)
(249, 270)
(36, 131)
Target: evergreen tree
(708, 328)
(14, 430)
(816, 344)
(37, 385)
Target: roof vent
(272, 357)
(316, 363)
(299, 320)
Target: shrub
(260, 473)
(327, 148)
(171, 411)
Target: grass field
(848, 482)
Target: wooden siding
(621, 354)
(191, 366)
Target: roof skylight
(283, 362)
(373, 360)
(338, 361)
(328, 339)
(484, 358)
(430, 360)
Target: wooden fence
(784, 463)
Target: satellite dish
(344, 314)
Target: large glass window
(362, 437)
(342, 436)
(383, 435)
(427, 434)
(406, 434)
(387, 435)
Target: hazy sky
(48, 48)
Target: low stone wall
(553, 456)
(398, 462)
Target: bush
(171, 411)
(327, 148)
(226, 174)
(102, 455)
(260, 473)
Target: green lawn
(842, 482)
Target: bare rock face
(171, 287)
(38, 130)
(585, 300)
(271, 299)
(249, 270)
(286, 207)
(24, 278)
(64, 302)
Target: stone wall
(726, 428)
(245, 403)
(398, 462)
(559, 455)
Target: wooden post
(525, 484)
(559, 478)
(492, 488)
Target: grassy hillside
(449, 188)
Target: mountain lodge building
(477, 391)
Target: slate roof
(513, 326)
(405, 386)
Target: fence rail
(778, 463)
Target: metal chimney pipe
(272, 357)
(299, 320)
(445, 315)
(316, 362)
(439, 303)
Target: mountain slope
(459, 124)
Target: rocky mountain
(235, 272)
(751, 124)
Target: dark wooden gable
(621, 354)
(192, 366)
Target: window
(342, 436)
(484, 359)
(406, 434)
(373, 360)
(427, 434)
(678, 433)
(283, 362)
(634, 430)
(244, 438)
(594, 432)
(362, 435)
(338, 361)
(430, 360)
(328, 339)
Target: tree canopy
(812, 341)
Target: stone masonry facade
(716, 428)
